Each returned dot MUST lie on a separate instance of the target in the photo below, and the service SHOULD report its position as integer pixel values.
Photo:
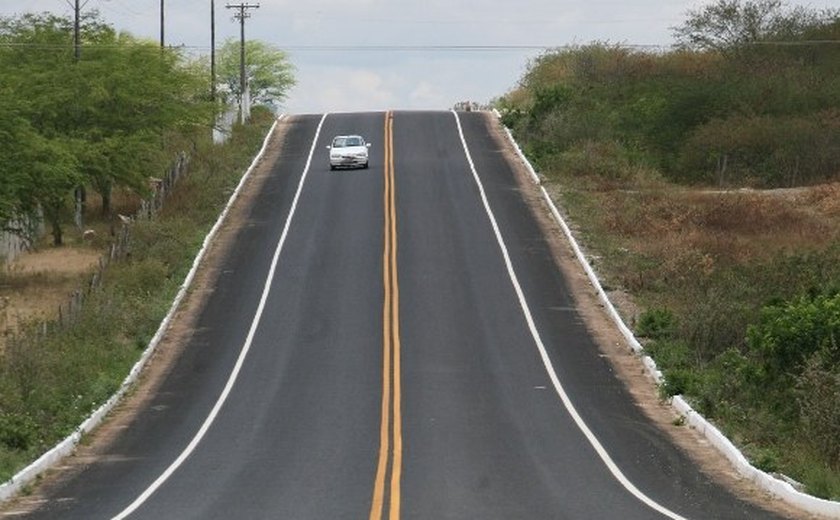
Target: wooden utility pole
(241, 15)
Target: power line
(796, 43)
(415, 48)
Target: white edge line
(765, 481)
(211, 417)
(555, 380)
(66, 447)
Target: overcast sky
(325, 40)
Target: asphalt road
(391, 369)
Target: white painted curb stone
(68, 445)
(765, 481)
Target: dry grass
(824, 200)
(712, 260)
(34, 286)
(694, 230)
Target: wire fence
(70, 311)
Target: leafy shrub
(550, 98)
(675, 360)
(818, 397)
(820, 480)
(656, 324)
(139, 278)
(678, 381)
(721, 391)
(765, 459)
(788, 334)
(671, 353)
(714, 313)
(17, 431)
(766, 151)
(765, 116)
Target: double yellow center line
(390, 434)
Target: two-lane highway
(391, 343)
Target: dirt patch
(34, 286)
(57, 260)
(96, 446)
(627, 363)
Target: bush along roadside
(49, 383)
(776, 391)
(738, 299)
(648, 153)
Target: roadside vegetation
(705, 181)
(50, 383)
(86, 123)
(103, 124)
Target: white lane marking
(242, 354)
(561, 392)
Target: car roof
(346, 136)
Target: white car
(349, 151)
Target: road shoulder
(627, 364)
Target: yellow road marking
(396, 467)
(390, 433)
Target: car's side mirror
(368, 145)
(329, 147)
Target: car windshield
(341, 142)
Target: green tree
(729, 24)
(38, 175)
(135, 96)
(52, 175)
(15, 139)
(267, 68)
(38, 170)
(112, 109)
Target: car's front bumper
(348, 161)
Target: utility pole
(77, 33)
(79, 193)
(213, 50)
(77, 29)
(241, 15)
(162, 19)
